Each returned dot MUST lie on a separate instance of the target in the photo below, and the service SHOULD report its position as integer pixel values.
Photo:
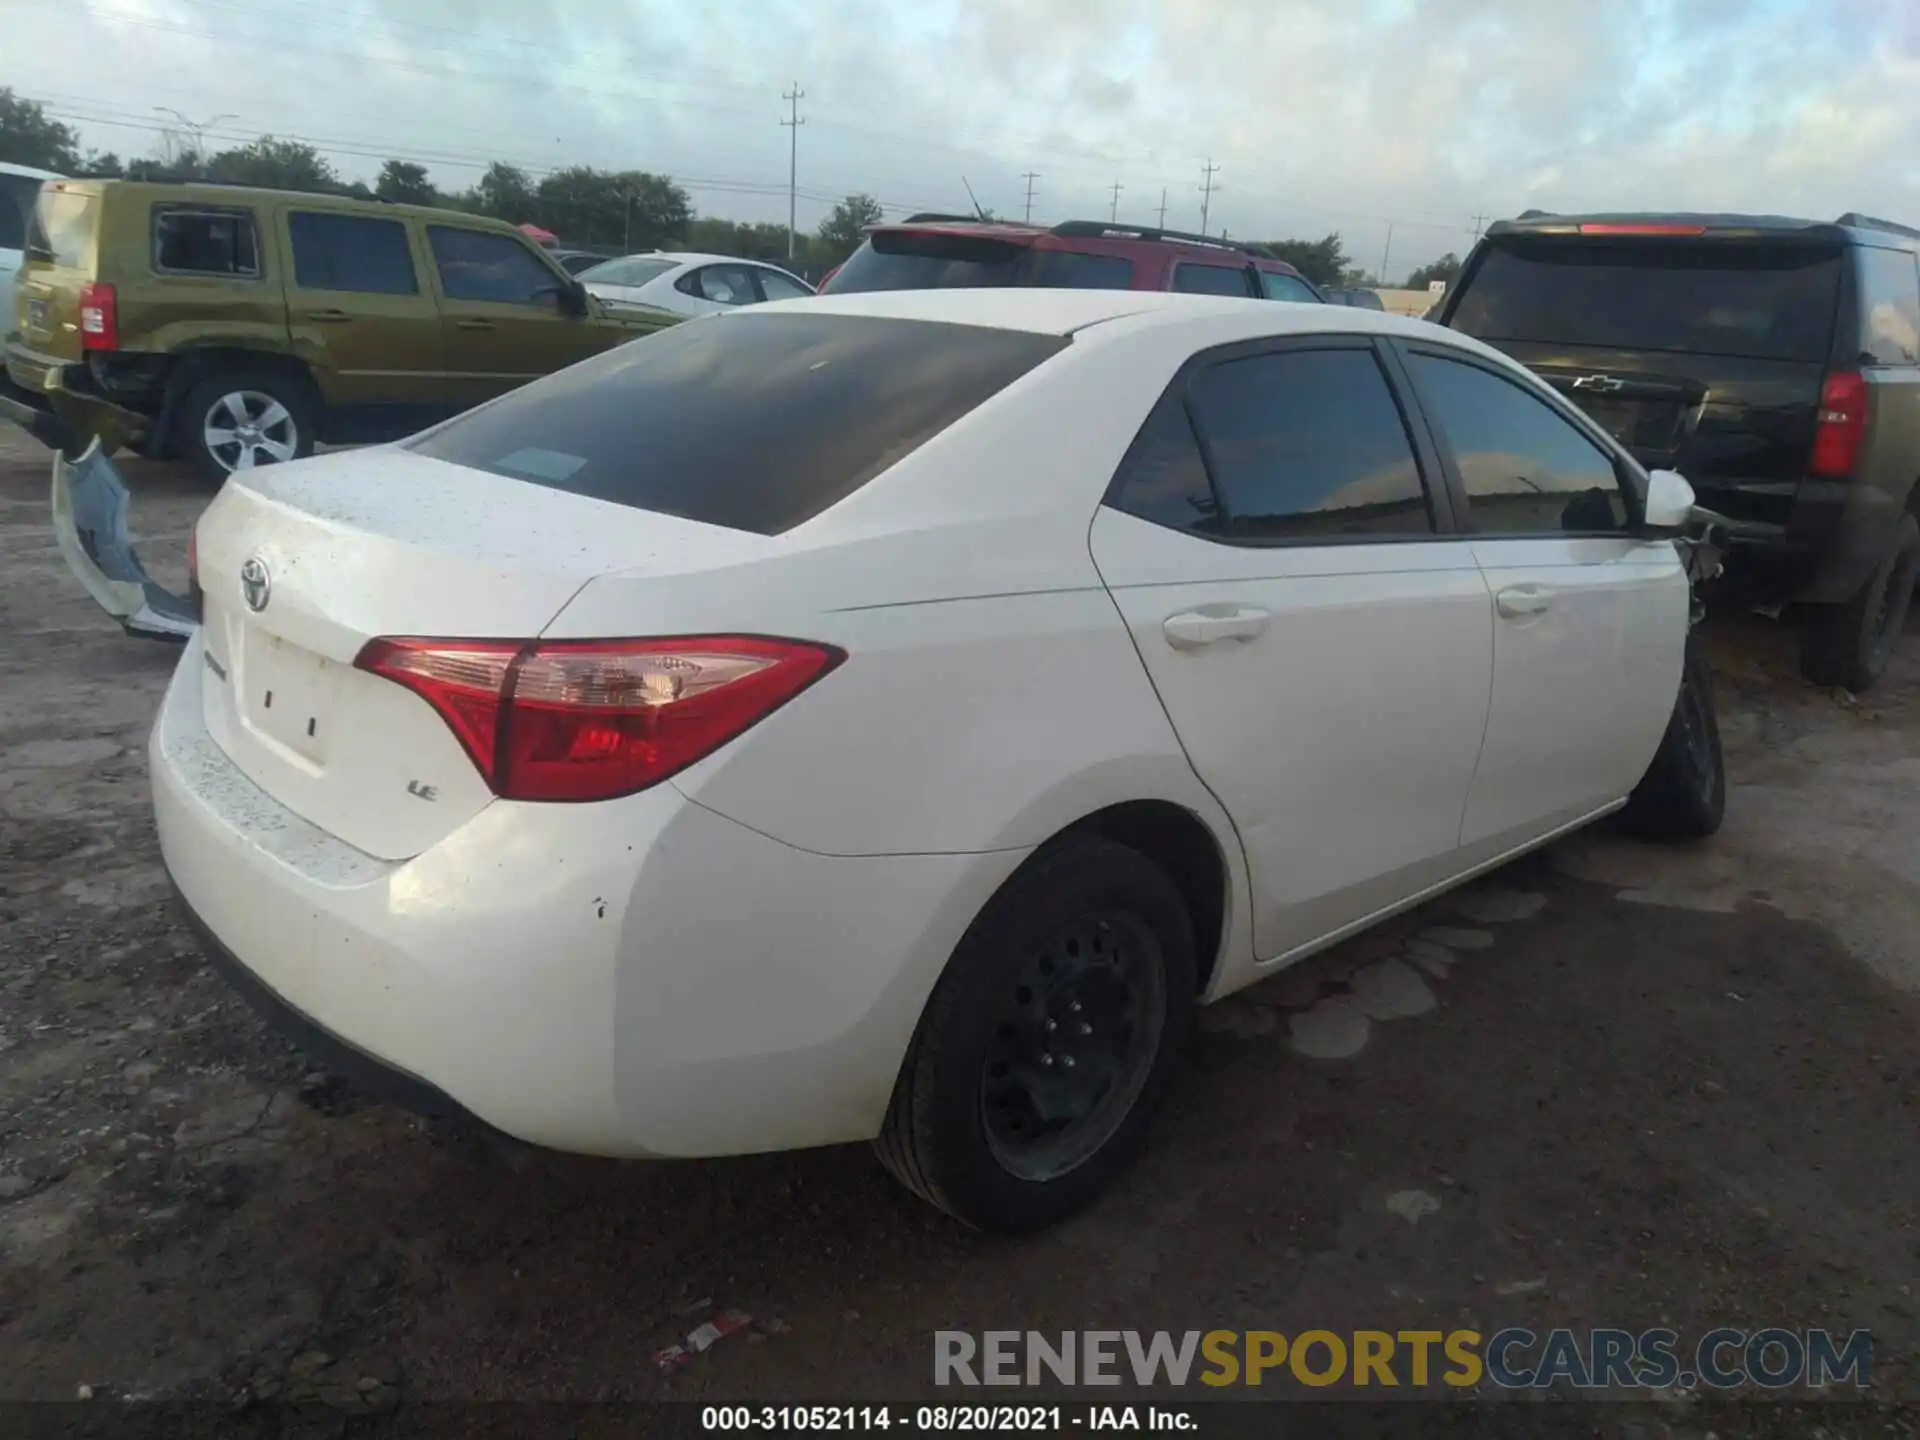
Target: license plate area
(37, 316)
(287, 696)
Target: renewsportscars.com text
(1724, 1359)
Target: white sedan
(886, 717)
(690, 284)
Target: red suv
(938, 252)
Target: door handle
(1210, 624)
(474, 324)
(329, 317)
(1517, 601)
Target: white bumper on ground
(640, 977)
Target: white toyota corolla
(886, 717)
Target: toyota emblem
(256, 585)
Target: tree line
(618, 211)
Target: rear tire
(1048, 1041)
(1851, 645)
(242, 419)
(1683, 795)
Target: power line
(1206, 193)
(1030, 177)
(793, 98)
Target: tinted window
(627, 272)
(477, 266)
(928, 260)
(1210, 279)
(205, 242)
(778, 287)
(61, 232)
(346, 252)
(579, 264)
(1068, 270)
(1764, 302)
(755, 421)
(1308, 444)
(1164, 479)
(1526, 468)
(1890, 290)
(17, 194)
(1276, 286)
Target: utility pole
(1030, 177)
(1385, 255)
(1206, 192)
(196, 129)
(1114, 213)
(793, 98)
(1163, 207)
(1479, 225)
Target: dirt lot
(1654, 1087)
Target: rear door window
(722, 284)
(1753, 300)
(775, 286)
(1277, 286)
(205, 242)
(1890, 302)
(1197, 279)
(1071, 270)
(752, 421)
(350, 252)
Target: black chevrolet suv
(1773, 362)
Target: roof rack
(1097, 229)
(1867, 222)
(927, 216)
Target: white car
(19, 189)
(886, 717)
(689, 284)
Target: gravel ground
(1629, 1086)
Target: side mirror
(1669, 504)
(573, 299)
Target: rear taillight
(595, 719)
(99, 317)
(1842, 425)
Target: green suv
(237, 327)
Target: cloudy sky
(1321, 115)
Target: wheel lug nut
(1067, 1060)
(1052, 1025)
(1047, 1060)
(1075, 1007)
(1085, 1029)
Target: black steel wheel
(1047, 1041)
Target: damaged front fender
(90, 526)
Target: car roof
(1065, 312)
(29, 172)
(696, 257)
(1107, 232)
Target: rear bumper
(1817, 541)
(641, 977)
(31, 412)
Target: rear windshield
(923, 260)
(62, 229)
(1758, 301)
(752, 422)
(16, 204)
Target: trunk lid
(302, 565)
(1740, 429)
(61, 256)
(1703, 353)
